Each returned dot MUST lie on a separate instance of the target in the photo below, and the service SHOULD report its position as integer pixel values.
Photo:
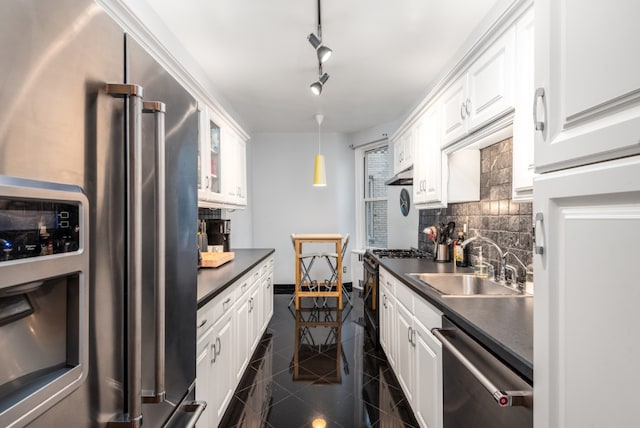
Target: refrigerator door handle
(158, 109)
(132, 416)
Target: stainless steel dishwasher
(479, 390)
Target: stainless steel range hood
(403, 178)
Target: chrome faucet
(501, 277)
(516, 278)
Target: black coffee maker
(218, 233)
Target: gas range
(370, 294)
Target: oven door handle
(503, 398)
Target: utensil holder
(443, 254)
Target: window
(376, 172)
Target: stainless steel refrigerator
(98, 151)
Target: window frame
(360, 183)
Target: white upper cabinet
(403, 147)
(523, 131)
(221, 163)
(587, 82)
(454, 111)
(490, 82)
(427, 169)
(235, 174)
(483, 93)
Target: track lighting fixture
(323, 53)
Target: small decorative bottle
(458, 251)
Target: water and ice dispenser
(44, 281)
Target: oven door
(479, 390)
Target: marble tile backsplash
(495, 216)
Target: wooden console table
(318, 238)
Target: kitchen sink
(457, 285)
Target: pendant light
(319, 170)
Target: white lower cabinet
(215, 353)
(387, 318)
(242, 326)
(418, 354)
(229, 331)
(222, 358)
(405, 363)
(203, 374)
(428, 377)
(267, 290)
(586, 296)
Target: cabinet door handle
(539, 249)
(219, 347)
(463, 109)
(213, 353)
(539, 95)
(409, 334)
(206, 182)
(413, 337)
(204, 321)
(467, 107)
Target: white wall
(402, 232)
(283, 200)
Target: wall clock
(405, 202)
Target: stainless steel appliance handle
(503, 398)
(195, 407)
(133, 149)
(158, 110)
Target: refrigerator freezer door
(57, 124)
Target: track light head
(323, 52)
(316, 87)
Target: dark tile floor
(318, 364)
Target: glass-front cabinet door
(209, 158)
(213, 146)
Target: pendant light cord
(319, 119)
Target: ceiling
(386, 54)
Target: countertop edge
(245, 266)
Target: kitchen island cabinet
(231, 319)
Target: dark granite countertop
(211, 281)
(504, 325)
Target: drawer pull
(202, 323)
